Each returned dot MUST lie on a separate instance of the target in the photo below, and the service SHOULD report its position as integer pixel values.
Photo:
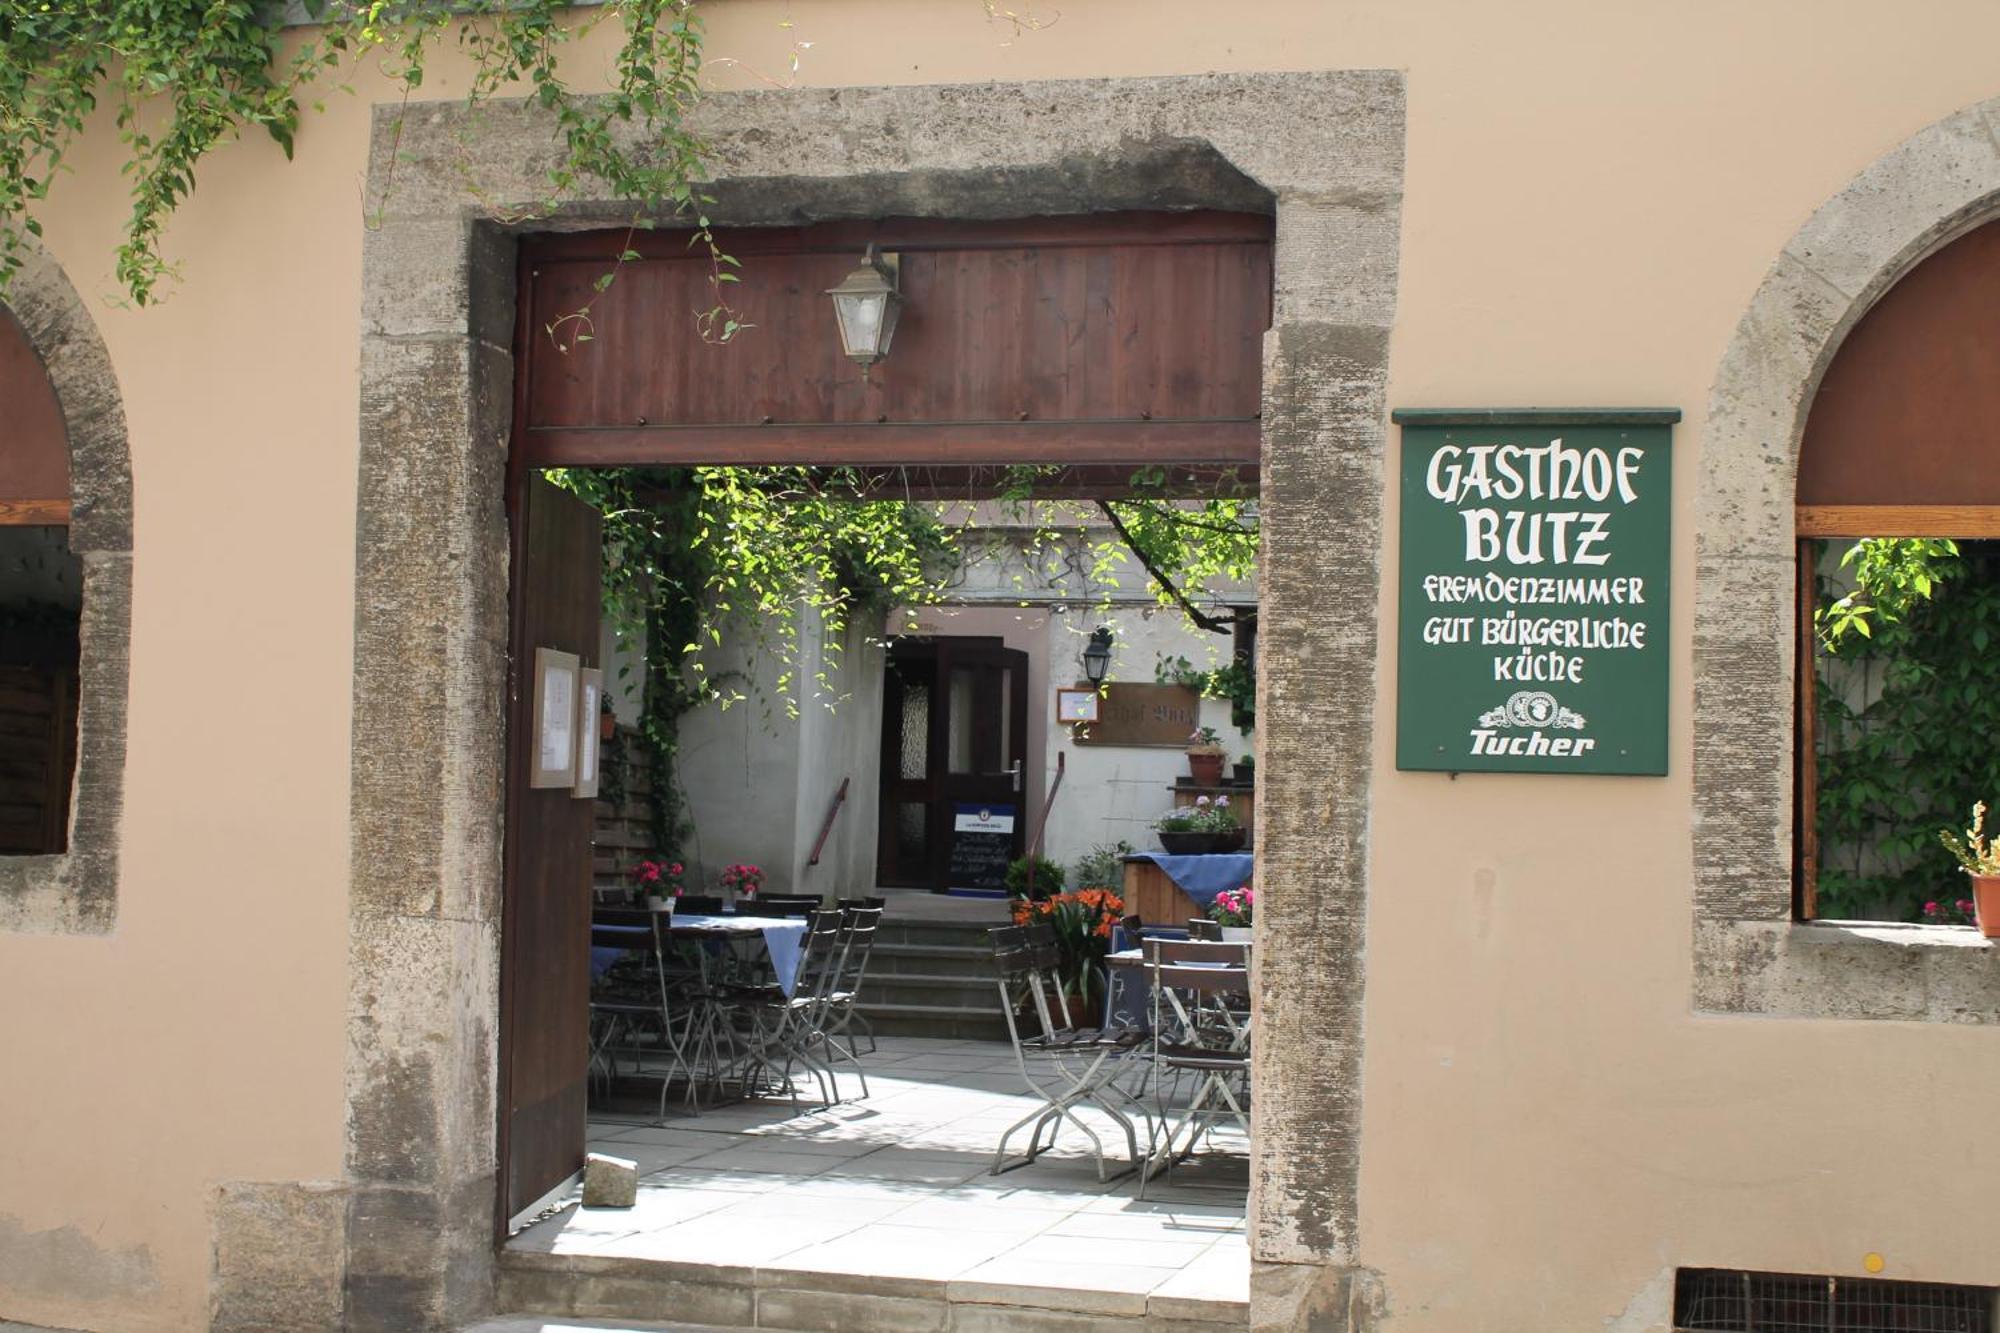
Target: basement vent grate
(1732, 1301)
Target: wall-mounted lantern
(865, 306)
(1097, 656)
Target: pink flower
(1965, 906)
(1201, 802)
(1222, 802)
(1930, 909)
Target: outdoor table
(1128, 1000)
(782, 937)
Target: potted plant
(1209, 825)
(656, 883)
(607, 722)
(1204, 756)
(1981, 860)
(1232, 910)
(743, 879)
(1048, 878)
(1245, 772)
(1083, 923)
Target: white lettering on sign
(1525, 535)
(1499, 588)
(1534, 744)
(1551, 471)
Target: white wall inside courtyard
(759, 782)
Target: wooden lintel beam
(34, 513)
(1003, 444)
(1969, 521)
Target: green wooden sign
(1535, 591)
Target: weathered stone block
(279, 1251)
(609, 1182)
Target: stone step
(919, 989)
(932, 960)
(962, 1022)
(604, 1288)
(927, 933)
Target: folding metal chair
(858, 927)
(1201, 1026)
(638, 1006)
(1082, 1064)
(785, 1030)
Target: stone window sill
(1902, 934)
(1846, 970)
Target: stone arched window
(41, 609)
(1899, 468)
(65, 610)
(1753, 952)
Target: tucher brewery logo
(1530, 710)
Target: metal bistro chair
(1201, 1026)
(1204, 928)
(783, 1030)
(858, 928)
(699, 904)
(638, 1005)
(1081, 1064)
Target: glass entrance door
(954, 763)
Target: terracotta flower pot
(1206, 768)
(1986, 904)
(607, 725)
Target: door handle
(1012, 771)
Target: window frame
(1848, 523)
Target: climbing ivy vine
(1908, 718)
(183, 77)
(712, 566)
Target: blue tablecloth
(1203, 877)
(783, 940)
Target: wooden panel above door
(1107, 338)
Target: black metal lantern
(865, 306)
(1097, 656)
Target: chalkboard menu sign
(982, 844)
(1535, 591)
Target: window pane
(916, 733)
(960, 733)
(911, 844)
(1007, 755)
(41, 597)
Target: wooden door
(545, 916)
(954, 732)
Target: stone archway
(1324, 151)
(1749, 956)
(76, 892)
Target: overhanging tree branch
(1212, 623)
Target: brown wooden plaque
(1158, 715)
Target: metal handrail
(826, 829)
(1042, 827)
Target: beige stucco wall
(1594, 191)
